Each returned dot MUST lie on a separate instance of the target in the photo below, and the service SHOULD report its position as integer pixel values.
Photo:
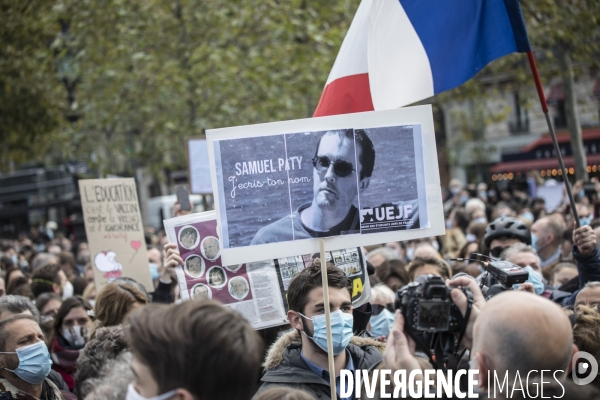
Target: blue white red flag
(398, 52)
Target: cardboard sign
(257, 290)
(356, 179)
(115, 232)
(199, 169)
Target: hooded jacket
(284, 366)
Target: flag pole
(327, 319)
(542, 96)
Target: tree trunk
(572, 115)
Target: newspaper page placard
(199, 169)
(115, 232)
(257, 289)
(355, 179)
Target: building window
(560, 117)
(519, 119)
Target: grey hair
(381, 292)
(591, 285)
(387, 253)
(115, 377)
(18, 304)
(108, 344)
(518, 248)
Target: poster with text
(361, 182)
(257, 290)
(114, 229)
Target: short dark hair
(392, 269)
(309, 279)
(108, 344)
(217, 353)
(367, 155)
(66, 257)
(44, 277)
(17, 305)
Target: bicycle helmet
(507, 227)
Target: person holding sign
(299, 359)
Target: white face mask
(132, 394)
(76, 335)
(68, 290)
(410, 253)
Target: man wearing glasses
(336, 183)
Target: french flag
(398, 52)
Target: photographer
(507, 335)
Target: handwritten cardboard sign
(115, 231)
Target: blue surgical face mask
(341, 331)
(585, 220)
(448, 224)
(154, 271)
(534, 242)
(527, 216)
(381, 324)
(34, 362)
(535, 279)
(15, 259)
(464, 199)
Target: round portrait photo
(239, 288)
(210, 248)
(234, 268)
(201, 292)
(194, 266)
(216, 277)
(189, 237)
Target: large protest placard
(115, 232)
(356, 179)
(199, 169)
(258, 289)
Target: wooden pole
(542, 96)
(327, 320)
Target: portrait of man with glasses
(342, 166)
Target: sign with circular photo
(210, 248)
(188, 237)
(194, 266)
(216, 277)
(201, 292)
(239, 288)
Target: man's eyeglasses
(340, 168)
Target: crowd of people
(60, 338)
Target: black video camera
(505, 273)
(427, 306)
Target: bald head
(425, 250)
(520, 331)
